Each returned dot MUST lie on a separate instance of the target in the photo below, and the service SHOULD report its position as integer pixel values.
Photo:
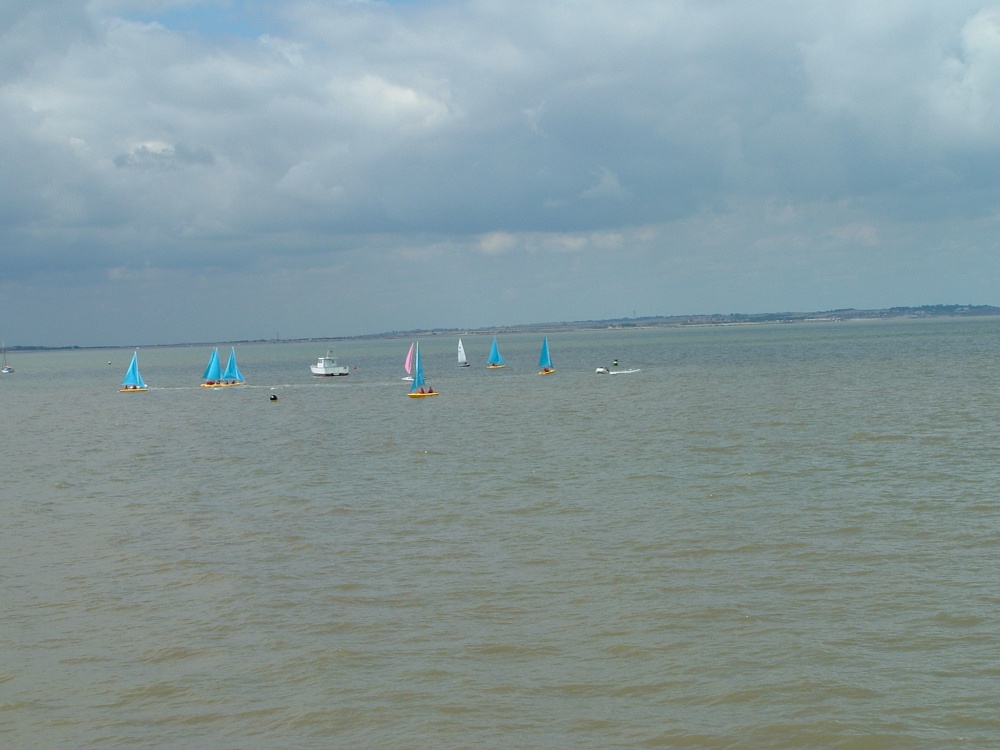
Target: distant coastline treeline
(719, 319)
(652, 321)
(924, 311)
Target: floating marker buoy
(274, 397)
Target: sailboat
(232, 374)
(544, 360)
(417, 390)
(7, 368)
(133, 382)
(495, 361)
(463, 361)
(213, 372)
(408, 364)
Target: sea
(770, 536)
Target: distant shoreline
(657, 321)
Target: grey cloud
(382, 128)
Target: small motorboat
(326, 366)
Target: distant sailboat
(544, 360)
(495, 361)
(417, 390)
(133, 382)
(408, 364)
(232, 374)
(213, 372)
(463, 361)
(7, 368)
(215, 378)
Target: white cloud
(311, 181)
(533, 116)
(607, 187)
(385, 105)
(964, 99)
(496, 243)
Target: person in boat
(430, 389)
(421, 389)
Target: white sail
(463, 361)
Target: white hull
(329, 371)
(327, 367)
(606, 371)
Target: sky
(181, 171)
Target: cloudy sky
(176, 170)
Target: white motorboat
(607, 371)
(327, 365)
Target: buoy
(274, 397)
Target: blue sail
(232, 372)
(495, 360)
(213, 372)
(132, 377)
(544, 360)
(418, 370)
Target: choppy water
(770, 537)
